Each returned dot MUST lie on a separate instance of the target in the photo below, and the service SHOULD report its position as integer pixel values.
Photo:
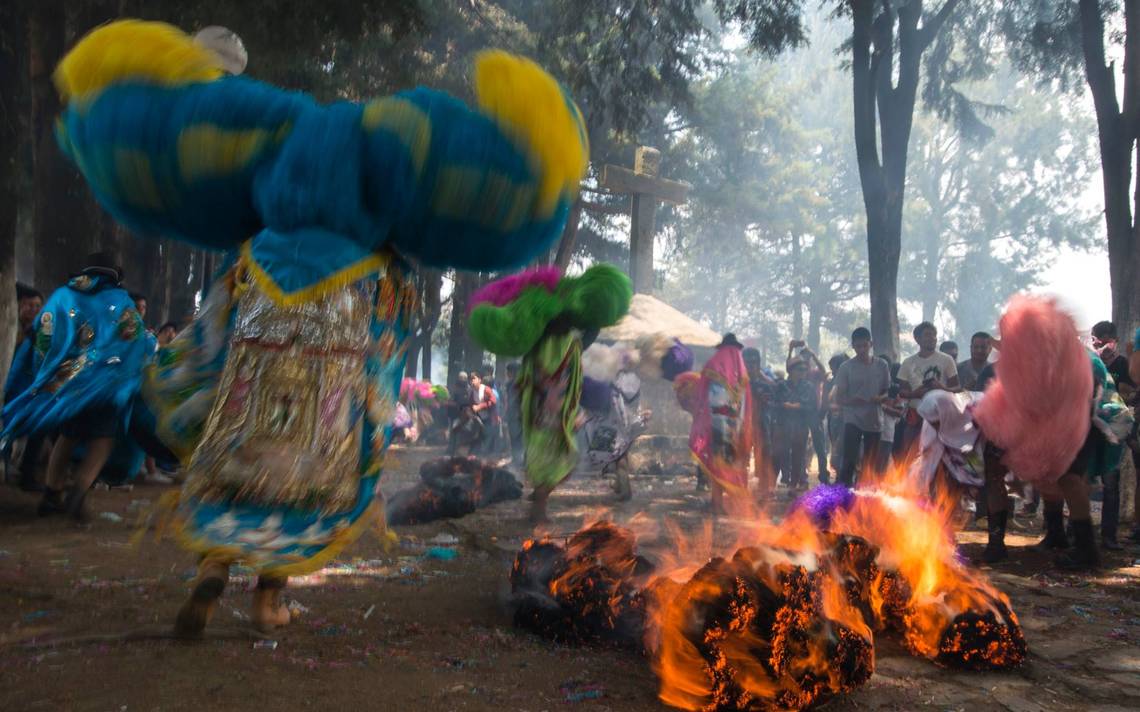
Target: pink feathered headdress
(1038, 409)
(504, 291)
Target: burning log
(751, 633)
(755, 632)
(788, 621)
(588, 591)
(988, 640)
(943, 610)
(452, 487)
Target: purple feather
(504, 291)
(677, 360)
(820, 502)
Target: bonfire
(786, 617)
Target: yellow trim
(404, 120)
(341, 278)
(165, 510)
(128, 50)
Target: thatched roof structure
(649, 315)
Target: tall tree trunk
(884, 116)
(12, 29)
(457, 343)
(1117, 131)
(815, 319)
(932, 240)
(569, 240)
(425, 358)
(413, 361)
(59, 246)
(183, 266)
(428, 283)
(797, 290)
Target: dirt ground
(83, 617)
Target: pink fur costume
(1038, 408)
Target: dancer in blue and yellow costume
(87, 353)
(280, 396)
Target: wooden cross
(646, 188)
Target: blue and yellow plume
(149, 52)
(530, 106)
(173, 148)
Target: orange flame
(752, 614)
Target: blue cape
(88, 350)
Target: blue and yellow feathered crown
(173, 147)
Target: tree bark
(428, 284)
(932, 243)
(1117, 131)
(642, 233)
(815, 321)
(12, 29)
(462, 354)
(886, 108)
(569, 240)
(797, 290)
(58, 245)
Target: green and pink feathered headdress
(510, 315)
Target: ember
(451, 488)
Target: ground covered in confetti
(84, 619)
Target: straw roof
(649, 315)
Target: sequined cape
(273, 526)
(88, 351)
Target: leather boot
(197, 610)
(1054, 529)
(1084, 555)
(995, 550)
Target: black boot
(995, 549)
(1054, 530)
(1084, 555)
(51, 503)
(1110, 513)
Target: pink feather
(505, 290)
(1037, 409)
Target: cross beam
(646, 188)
